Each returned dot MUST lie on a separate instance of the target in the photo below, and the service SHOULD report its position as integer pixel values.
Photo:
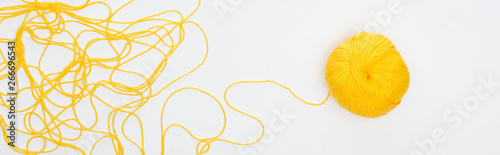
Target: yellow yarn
(344, 73)
(43, 119)
(82, 65)
(366, 75)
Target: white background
(447, 45)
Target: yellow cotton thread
(76, 74)
(80, 67)
(204, 143)
(366, 75)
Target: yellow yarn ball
(366, 75)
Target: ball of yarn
(366, 75)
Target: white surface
(447, 45)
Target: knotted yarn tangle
(73, 81)
(367, 75)
(45, 119)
